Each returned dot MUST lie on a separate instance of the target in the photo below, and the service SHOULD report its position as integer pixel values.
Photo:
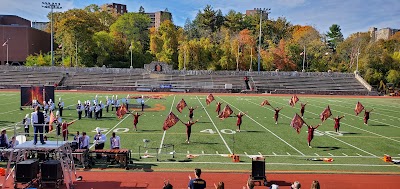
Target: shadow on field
(328, 148)
(379, 125)
(149, 130)
(203, 122)
(204, 143)
(110, 184)
(279, 183)
(349, 133)
(253, 131)
(141, 166)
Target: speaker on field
(51, 170)
(27, 170)
(258, 169)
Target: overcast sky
(351, 15)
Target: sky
(351, 15)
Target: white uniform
(115, 142)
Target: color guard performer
(311, 133)
(276, 115)
(366, 116)
(239, 120)
(303, 107)
(136, 119)
(337, 122)
(64, 128)
(188, 129)
(218, 110)
(191, 109)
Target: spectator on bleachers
(14, 142)
(196, 183)
(220, 185)
(315, 185)
(3, 139)
(296, 185)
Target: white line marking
(9, 111)
(216, 152)
(260, 153)
(246, 154)
(316, 154)
(229, 149)
(274, 153)
(344, 154)
(330, 154)
(288, 153)
(162, 140)
(266, 128)
(188, 152)
(202, 152)
(358, 154)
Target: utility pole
(130, 48)
(51, 6)
(261, 11)
(304, 58)
(358, 54)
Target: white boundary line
(329, 135)
(266, 128)
(229, 149)
(162, 140)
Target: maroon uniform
(337, 123)
(303, 106)
(218, 110)
(366, 116)
(136, 119)
(276, 116)
(189, 129)
(311, 134)
(191, 113)
(239, 120)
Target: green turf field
(358, 148)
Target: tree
(233, 21)
(393, 76)
(335, 36)
(141, 10)
(281, 58)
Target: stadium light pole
(130, 48)
(304, 58)
(358, 54)
(261, 11)
(6, 44)
(51, 6)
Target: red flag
(170, 121)
(52, 119)
(121, 111)
(209, 99)
(297, 123)
(293, 100)
(182, 104)
(359, 108)
(265, 102)
(226, 112)
(325, 114)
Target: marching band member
(108, 103)
(115, 141)
(84, 142)
(79, 108)
(97, 111)
(60, 106)
(99, 140)
(112, 103)
(51, 105)
(26, 121)
(4, 139)
(101, 109)
(91, 110)
(45, 107)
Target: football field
(357, 148)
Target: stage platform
(50, 145)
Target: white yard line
(265, 128)
(229, 149)
(9, 111)
(332, 136)
(162, 140)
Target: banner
(39, 93)
(209, 99)
(226, 112)
(325, 114)
(182, 104)
(359, 108)
(170, 121)
(297, 123)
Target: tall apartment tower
(158, 17)
(117, 8)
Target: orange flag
(209, 99)
(226, 112)
(265, 102)
(297, 123)
(121, 111)
(359, 108)
(182, 104)
(52, 119)
(170, 121)
(293, 100)
(325, 114)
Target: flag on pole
(182, 104)
(226, 112)
(209, 99)
(325, 114)
(359, 108)
(265, 102)
(170, 121)
(293, 100)
(297, 123)
(121, 111)
(5, 43)
(52, 119)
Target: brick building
(23, 40)
(383, 33)
(117, 8)
(158, 17)
(257, 12)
